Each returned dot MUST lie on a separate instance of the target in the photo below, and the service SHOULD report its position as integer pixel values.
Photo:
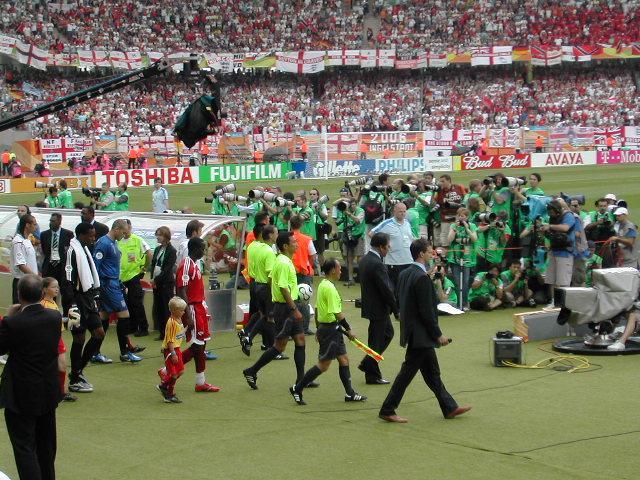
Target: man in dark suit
(378, 300)
(55, 243)
(30, 388)
(88, 214)
(420, 334)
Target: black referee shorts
(286, 325)
(331, 342)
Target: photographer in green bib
(52, 200)
(105, 199)
(64, 195)
(121, 199)
(134, 262)
(461, 254)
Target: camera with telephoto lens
(498, 224)
(92, 192)
(486, 217)
(433, 188)
(381, 188)
(321, 201)
(256, 194)
(453, 205)
(512, 182)
(282, 202)
(342, 205)
(439, 273)
(356, 182)
(45, 185)
(490, 180)
(408, 188)
(489, 276)
(226, 189)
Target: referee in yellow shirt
(287, 317)
(329, 319)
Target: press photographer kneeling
(486, 290)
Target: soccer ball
(304, 292)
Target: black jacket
(101, 229)
(30, 383)
(377, 295)
(63, 246)
(418, 309)
(167, 267)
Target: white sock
(200, 378)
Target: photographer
(599, 225)
(396, 190)
(423, 203)
(65, 197)
(121, 199)
(307, 214)
(351, 220)
(475, 189)
(501, 197)
(52, 200)
(374, 206)
(105, 199)
(532, 189)
(516, 289)
(449, 198)
(493, 238)
(560, 231)
(318, 204)
(625, 238)
(462, 253)
(486, 290)
(217, 207)
(445, 288)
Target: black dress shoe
(377, 381)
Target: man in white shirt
(400, 238)
(23, 255)
(159, 197)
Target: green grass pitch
(525, 424)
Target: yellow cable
(575, 362)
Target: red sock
(63, 378)
(171, 383)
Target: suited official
(420, 334)
(55, 243)
(378, 301)
(30, 388)
(88, 214)
(163, 278)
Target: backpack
(373, 212)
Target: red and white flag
(437, 60)
(491, 55)
(581, 53)
(469, 137)
(377, 58)
(31, 55)
(7, 44)
(92, 58)
(342, 143)
(126, 60)
(300, 62)
(64, 149)
(600, 135)
(546, 55)
(505, 138)
(343, 57)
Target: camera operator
(486, 290)
(396, 190)
(445, 288)
(625, 238)
(351, 220)
(322, 226)
(561, 234)
(307, 214)
(532, 189)
(65, 196)
(462, 254)
(501, 197)
(516, 286)
(449, 198)
(105, 199)
(423, 204)
(600, 225)
(492, 240)
(52, 200)
(475, 187)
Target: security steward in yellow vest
(134, 262)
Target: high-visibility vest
(304, 148)
(539, 142)
(204, 149)
(301, 257)
(363, 147)
(133, 153)
(6, 157)
(609, 141)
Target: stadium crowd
(344, 101)
(224, 26)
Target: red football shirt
(189, 275)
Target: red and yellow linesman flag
(366, 349)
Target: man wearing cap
(626, 233)
(611, 200)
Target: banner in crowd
(315, 61)
(495, 162)
(146, 177)
(64, 149)
(350, 168)
(300, 62)
(615, 157)
(562, 159)
(240, 172)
